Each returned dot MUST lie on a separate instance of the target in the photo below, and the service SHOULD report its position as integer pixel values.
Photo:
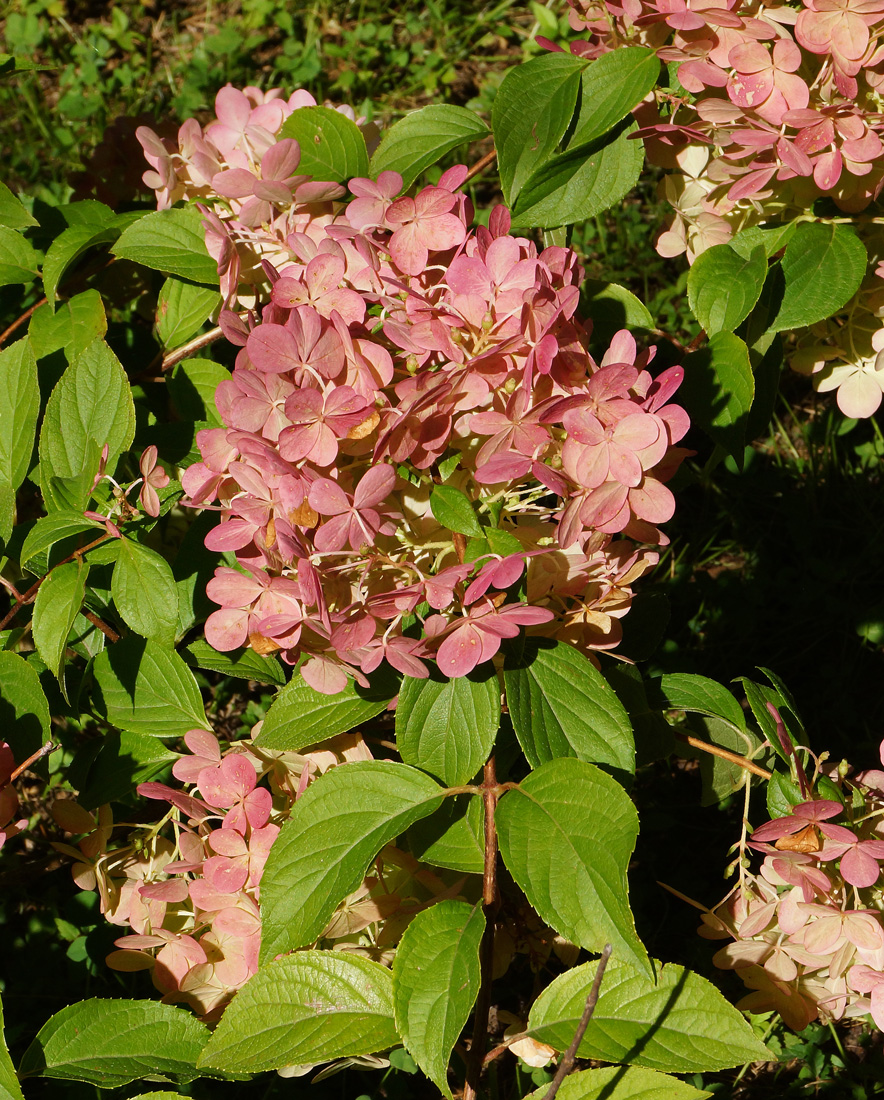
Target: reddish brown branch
(481, 165)
(725, 754)
(28, 313)
(567, 1063)
(31, 593)
(44, 750)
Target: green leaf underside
(685, 691)
(144, 591)
(724, 286)
(91, 406)
(436, 982)
(19, 408)
(447, 727)
(566, 835)
(144, 687)
(612, 85)
(301, 716)
(112, 1042)
(10, 1089)
(419, 140)
(718, 390)
(680, 1024)
(12, 213)
(182, 310)
(622, 1083)
(172, 241)
(58, 603)
(561, 705)
(332, 145)
(305, 1008)
(721, 778)
(335, 830)
(581, 182)
(19, 261)
(69, 245)
(532, 109)
(245, 663)
(822, 268)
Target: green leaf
(561, 705)
(622, 1083)
(19, 260)
(7, 510)
(771, 240)
(143, 687)
(144, 592)
(335, 830)
(244, 663)
(453, 836)
(453, 510)
(566, 834)
(679, 1023)
(109, 1043)
(653, 734)
(582, 182)
(781, 795)
(70, 244)
(300, 715)
(612, 307)
(721, 778)
(182, 310)
(13, 214)
(91, 406)
(305, 1008)
(758, 696)
(24, 711)
(19, 408)
(612, 85)
(436, 982)
(57, 605)
(532, 109)
(73, 326)
(172, 241)
(10, 1089)
(447, 727)
(332, 145)
(53, 529)
(822, 268)
(423, 137)
(718, 389)
(700, 695)
(124, 760)
(724, 286)
(192, 385)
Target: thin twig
(476, 1060)
(725, 754)
(107, 630)
(28, 313)
(44, 750)
(568, 1060)
(196, 344)
(31, 593)
(480, 165)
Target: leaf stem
(725, 754)
(31, 593)
(481, 165)
(476, 1060)
(567, 1063)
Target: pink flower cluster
(340, 421)
(188, 887)
(784, 104)
(9, 826)
(808, 928)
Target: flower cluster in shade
(10, 823)
(807, 929)
(187, 888)
(419, 456)
(776, 106)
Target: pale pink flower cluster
(188, 887)
(398, 351)
(808, 928)
(787, 104)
